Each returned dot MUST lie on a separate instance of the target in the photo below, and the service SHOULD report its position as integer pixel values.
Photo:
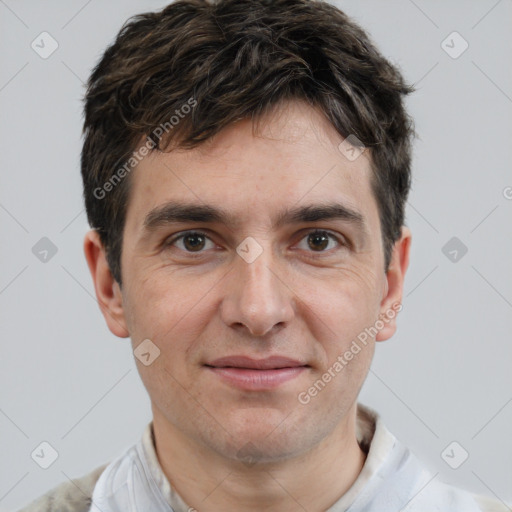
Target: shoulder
(395, 475)
(463, 498)
(439, 495)
(72, 496)
(491, 505)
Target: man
(246, 166)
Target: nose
(256, 298)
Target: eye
(319, 240)
(190, 241)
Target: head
(231, 217)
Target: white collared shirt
(391, 480)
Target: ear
(393, 290)
(107, 289)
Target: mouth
(256, 374)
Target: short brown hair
(237, 59)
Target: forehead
(257, 171)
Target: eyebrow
(174, 212)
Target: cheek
(172, 314)
(344, 303)
(172, 310)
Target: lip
(268, 363)
(256, 374)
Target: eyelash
(173, 240)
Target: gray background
(445, 376)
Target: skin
(223, 448)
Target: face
(253, 263)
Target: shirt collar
(373, 438)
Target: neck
(209, 482)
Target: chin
(265, 435)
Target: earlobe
(107, 289)
(391, 302)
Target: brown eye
(318, 241)
(190, 242)
(193, 242)
(321, 241)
